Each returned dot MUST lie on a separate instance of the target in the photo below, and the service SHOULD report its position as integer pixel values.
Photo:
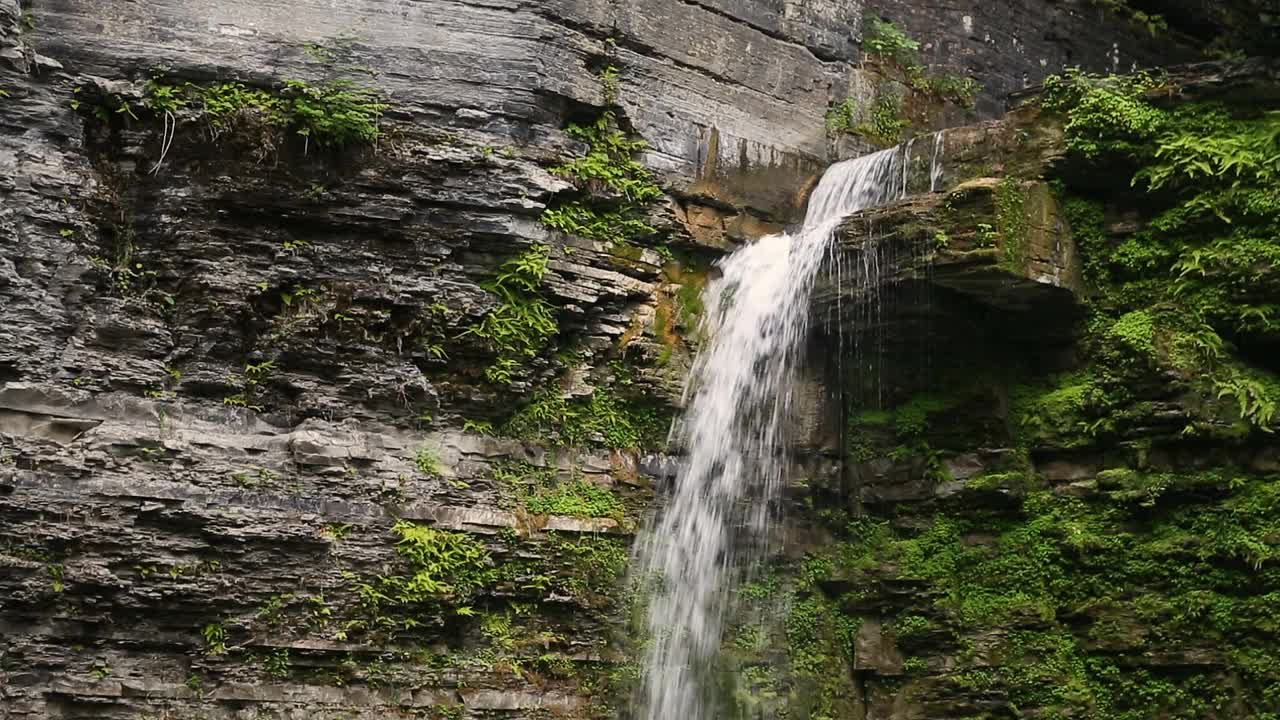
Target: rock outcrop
(267, 447)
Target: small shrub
(428, 462)
(619, 187)
(887, 40)
(524, 321)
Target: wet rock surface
(233, 361)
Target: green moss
(1018, 481)
(1137, 330)
(1011, 223)
(820, 642)
(1088, 230)
(1171, 559)
(1070, 411)
(577, 498)
(604, 419)
(689, 295)
(1206, 265)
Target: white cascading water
(717, 520)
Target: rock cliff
(338, 343)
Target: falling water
(732, 432)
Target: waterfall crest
(733, 433)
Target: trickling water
(738, 403)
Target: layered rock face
(1013, 44)
(1058, 496)
(298, 423)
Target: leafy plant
(444, 564)
(524, 321)
(609, 84)
(333, 113)
(1202, 273)
(57, 576)
(215, 639)
(277, 663)
(887, 40)
(603, 419)
(618, 186)
(428, 461)
(577, 498)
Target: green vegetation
(599, 562)
(1199, 279)
(538, 491)
(251, 383)
(334, 113)
(888, 43)
(883, 125)
(57, 577)
(277, 663)
(887, 40)
(1152, 23)
(215, 639)
(1084, 589)
(576, 498)
(900, 433)
(885, 118)
(444, 565)
(524, 322)
(604, 419)
(615, 188)
(1144, 589)
(1011, 219)
(428, 462)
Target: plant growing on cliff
(887, 40)
(616, 185)
(523, 322)
(883, 124)
(1205, 268)
(603, 419)
(428, 461)
(893, 47)
(443, 565)
(215, 639)
(1105, 114)
(577, 498)
(1152, 23)
(609, 83)
(250, 382)
(333, 113)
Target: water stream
(716, 523)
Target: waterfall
(733, 434)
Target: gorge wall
(326, 425)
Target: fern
(523, 322)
